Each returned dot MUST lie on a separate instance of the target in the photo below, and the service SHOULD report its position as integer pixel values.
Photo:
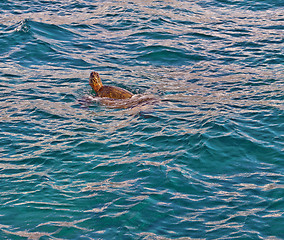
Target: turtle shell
(114, 92)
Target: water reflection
(203, 160)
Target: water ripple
(202, 161)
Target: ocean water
(204, 161)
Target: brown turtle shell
(114, 92)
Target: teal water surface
(205, 161)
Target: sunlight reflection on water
(201, 158)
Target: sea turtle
(107, 91)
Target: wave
(196, 153)
(137, 100)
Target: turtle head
(95, 81)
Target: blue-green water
(203, 162)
